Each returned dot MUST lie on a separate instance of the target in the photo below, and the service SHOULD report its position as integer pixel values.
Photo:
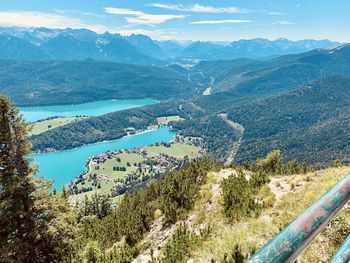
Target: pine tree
(17, 238)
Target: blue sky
(214, 20)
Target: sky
(209, 20)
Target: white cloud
(215, 22)
(38, 19)
(50, 20)
(284, 22)
(122, 11)
(59, 21)
(200, 8)
(152, 19)
(140, 17)
(276, 13)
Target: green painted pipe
(343, 254)
(289, 243)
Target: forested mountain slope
(311, 123)
(310, 119)
(66, 82)
(69, 82)
(246, 77)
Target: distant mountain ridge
(71, 82)
(255, 78)
(255, 48)
(79, 44)
(70, 44)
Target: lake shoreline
(150, 129)
(64, 166)
(35, 113)
(138, 132)
(85, 102)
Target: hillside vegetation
(294, 194)
(32, 83)
(311, 119)
(256, 78)
(201, 212)
(308, 118)
(209, 234)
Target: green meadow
(43, 126)
(131, 161)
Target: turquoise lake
(64, 166)
(33, 114)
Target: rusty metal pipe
(290, 242)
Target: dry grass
(299, 192)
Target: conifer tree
(17, 238)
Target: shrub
(239, 197)
(180, 188)
(179, 245)
(91, 252)
(271, 164)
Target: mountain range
(296, 103)
(255, 78)
(80, 44)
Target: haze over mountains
(296, 103)
(257, 101)
(30, 82)
(80, 44)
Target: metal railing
(290, 242)
(343, 254)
